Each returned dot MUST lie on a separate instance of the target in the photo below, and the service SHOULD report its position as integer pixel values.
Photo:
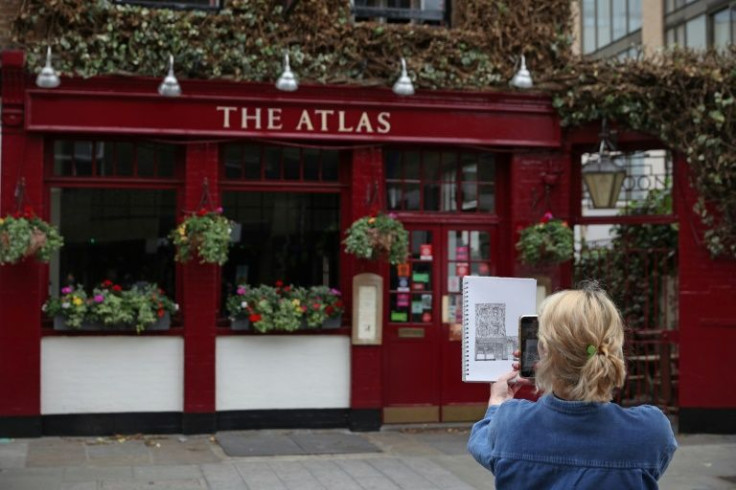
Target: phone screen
(528, 328)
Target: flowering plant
(205, 233)
(378, 236)
(23, 234)
(110, 305)
(548, 242)
(322, 303)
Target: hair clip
(591, 350)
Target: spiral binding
(466, 320)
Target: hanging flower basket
(205, 234)
(546, 243)
(24, 235)
(379, 237)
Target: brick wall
(8, 11)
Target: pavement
(397, 457)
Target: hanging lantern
(403, 85)
(287, 81)
(48, 77)
(170, 85)
(522, 78)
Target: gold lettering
(323, 113)
(306, 121)
(341, 119)
(274, 118)
(244, 117)
(226, 114)
(364, 124)
(384, 125)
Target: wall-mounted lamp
(287, 81)
(170, 85)
(601, 175)
(522, 78)
(403, 85)
(48, 77)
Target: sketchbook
(491, 310)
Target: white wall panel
(111, 374)
(283, 372)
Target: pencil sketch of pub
(491, 341)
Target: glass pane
(292, 237)
(125, 159)
(273, 163)
(619, 19)
(115, 234)
(411, 165)
(232, 155)
(166, 160)
(421, 307)
(449, 160)
(603, 22)
(589, 36)
(431, 197)
(418, 238)
(392, 161)
(449, 197)
(721, 29)
(145, 160)
(695, 33)
(291, 163)
(394, 196)
(311, 163)
(63, 155)
(432, 167)
(480, 269)
(83, 158)
(487, 198)
(252, 162)
(411, 197)
(486, 168)
(470, 197)
(106, 162)
(330, 168)
(480, 245)
(634, 15)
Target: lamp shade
(604, 179)
(287, 81)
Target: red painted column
(707, 323)
(366, 400)
(199, 303)
(21, 285)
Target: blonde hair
(581, 339)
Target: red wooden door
(422, 366)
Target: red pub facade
(463, 171)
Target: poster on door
(425, 251)
(462, 269)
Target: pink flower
(66, 290)
(99, 298)
(219, 210)
(392, 215)
(335, 292)
(547, 216)
(240, 290)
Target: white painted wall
(281, 372)
(112, 374)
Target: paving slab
(332, 443)
(240, 444)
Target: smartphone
(528, 328)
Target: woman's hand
(506, 386)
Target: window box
(163, 323)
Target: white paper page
(491, 310)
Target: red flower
(287, 289)
(106, 283)
(547, 216)
(329, 310)
(160, 313)
(279, 283)
(338, 303)
(201, 212)
(255, 318)
(117, 288)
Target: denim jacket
(557, 444)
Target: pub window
(293, 237)
(433, 12)
(275, 163)
(114, 227)
(447, 181)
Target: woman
(573, 437)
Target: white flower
(244, 304)
(176, 306)
(43, 308)
(65, 305)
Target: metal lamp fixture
(602, 177)
(287, 81)
(403, 85)
(170, 86)
(522, 78)
(48, 77)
